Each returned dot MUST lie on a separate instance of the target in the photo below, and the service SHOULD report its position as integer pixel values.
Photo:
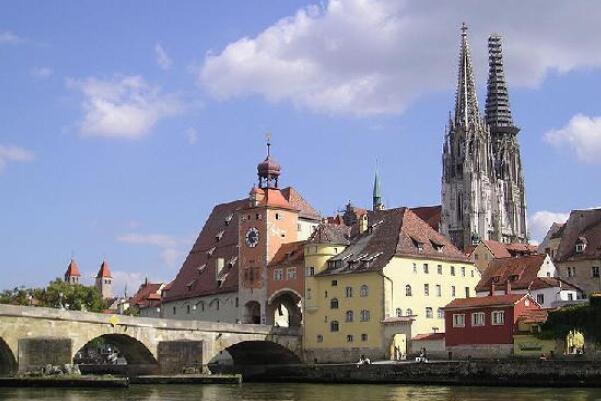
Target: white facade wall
(212, 308)
(305, 228)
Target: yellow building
(369, 295)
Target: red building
(484, 326)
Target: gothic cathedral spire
(466, 101)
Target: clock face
(252, 237)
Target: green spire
(377, 196)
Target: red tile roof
(533, 316)
(429, 214)
(298, 202)
(497, 249)
(147, 293)
(289, 254)
(581, 224)
(197, 274)
(105, 271)
(428, 337)
(392, 232)
(494, 300)
(521, 271)
(333, 234)
(72, 269)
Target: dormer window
(228, 219)
(210, 252)
(579, 248)
(514, 277)
(232, 261)
(219, 235)
(201, 268)
(496, 279)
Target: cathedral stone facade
(482, 181)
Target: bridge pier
(36, 352)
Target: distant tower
(509, 214)
(377, 203)
(72, 274)
(104, 280)
(466, 185)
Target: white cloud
(11, 153)
(368, 57)
(170, 252)
(9, 38)
(540, 222)
(162, 59)
(191, 135)
(123, 107)
(131, 280)
(582, 134)
(41, 72)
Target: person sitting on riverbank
(363, 361)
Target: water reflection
(303, 392)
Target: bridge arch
(252, 352)
(8, 363)
(133, 351)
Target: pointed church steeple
(466, 102)
(498, 110)
(377, 194)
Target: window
(308, 293)
(174, 310)
(478, 319)
(407, 290)
(439, 269)
(540, 299)
(364, 291)
(452, 270)
(334, 303)
(415, 268)
(475, 256)
(399, 312)
(595, 271)
(363, 337)
(277, 216)
(291, 273)
(334, 325)
(188, 309)
(571, 271)
(426, 268)
(299, 227)
(278, 274)
(409, 312)
(348, 292)
(463, 271)
(217, 305)
(467, 292)
(458, 320)
(326, 293)
(472, 273)
(438, 290)
(319, 338)
(440, 313)
(349, 315)
(453, 291)
(349, 338)
(426, 289)
(238, 301)
(334, 283)
(310, 271)
(365, 315)
(570, 296)
(429, 314)
(579, 248)
(498, 317)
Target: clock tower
(267, 222)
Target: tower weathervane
(268, 139)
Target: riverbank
(187, 379)
(529, 373)
(65, 381)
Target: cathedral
(483, 195)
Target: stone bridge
(31, 337)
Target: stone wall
(37, 352)
(177, 355)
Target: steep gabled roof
(498, 249)
(72, 269)
(392, 232)
(197, 276)
(520, 271)
(298, 202)
(288, 254)
(581, 224)
(430, 214)
(147, 294)
(330, 233)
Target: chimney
(508, 287)
(492, 288)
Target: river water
(302, 392)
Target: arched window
(349, 315)
(334, 303)
(440, 313)
(334, 325)
(409, 312)
(399, 312)
(429, 314)
(408, 290)
(364, 291)
(365, 315)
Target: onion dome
(268, 170)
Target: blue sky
(121, 125)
